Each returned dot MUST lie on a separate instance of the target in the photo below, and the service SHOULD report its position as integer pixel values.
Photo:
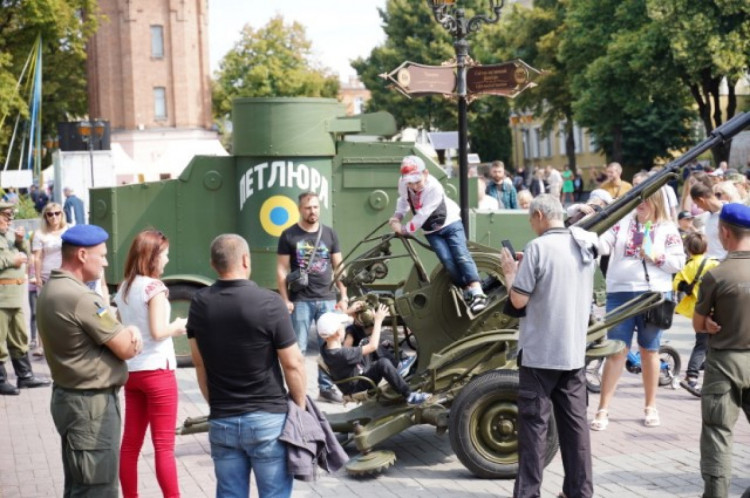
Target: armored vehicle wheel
(669, 358)
(372, 463)
(180, 296)
(594, 375)
(484, 426)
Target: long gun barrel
(600, 222)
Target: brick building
(148, 74)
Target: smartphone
(506, 244)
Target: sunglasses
(50, 214)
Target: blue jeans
(246, 443)
(449, 244)
(649, 336)
(304, 313)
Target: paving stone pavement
(629, 459)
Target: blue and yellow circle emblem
(277, 214)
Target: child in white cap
(440, 219)
(344, 362)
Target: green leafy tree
(412, 34)
(64, 27)
(708, 42)
(622, 80)
(533, 35)
(272, 61)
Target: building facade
(148, 74)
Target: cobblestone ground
(629, 459)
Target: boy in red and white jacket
(440, 220)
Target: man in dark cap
(721, 311)
(86, 348)
(14, 337)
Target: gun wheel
(372, 463)
(484, 426)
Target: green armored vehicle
(285, 146)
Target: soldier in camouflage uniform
(14, 337)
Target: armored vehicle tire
(670, 356)
(180, 296)
(483, 426)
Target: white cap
(601, 194)
(331, 322)
(412, 168)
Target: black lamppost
(89, 132)
(454, 21)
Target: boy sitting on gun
(362, 314)
(344, 362)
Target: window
(157, 42)
(160, 102)
(359, 105)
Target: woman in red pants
(151, 389)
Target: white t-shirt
(51, 246)
(711, 231)
(156, 355)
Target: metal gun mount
(468, 362)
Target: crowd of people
(249, 359)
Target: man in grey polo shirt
(554, 283)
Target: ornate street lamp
(89, 132)
(453, 19)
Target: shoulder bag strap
(315, 249)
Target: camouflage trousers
(88, 422)
(726, 391)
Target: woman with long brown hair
(151, 389)
(645, 250)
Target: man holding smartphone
(552, 345)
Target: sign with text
(507, 79)
(418, 79)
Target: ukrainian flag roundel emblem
(278, 213)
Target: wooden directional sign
(414, 79)
(507, 79)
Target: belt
(89, 392)
(12, 281)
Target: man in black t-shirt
(297, 250)
(239, 352)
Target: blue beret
(85, 235)
(736, 214)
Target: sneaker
(417, 398)
(405, 365)
(478, 303)
(331, 395)
(691, 386)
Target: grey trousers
(540, 392)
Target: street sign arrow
(414, 79)
(507, 79)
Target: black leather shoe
(30, 382)
(8, 390)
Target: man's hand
(20, 259)
(289, 306)
(136, 340)
(711, 326)
(509, 265)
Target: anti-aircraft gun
(468, 362)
